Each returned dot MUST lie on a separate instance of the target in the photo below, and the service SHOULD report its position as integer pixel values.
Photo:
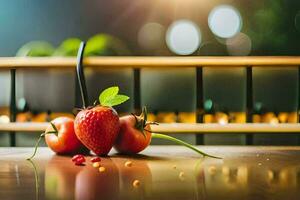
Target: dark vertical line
(80, 75)
(78, 101)
(298, 105)
(137, 90)
(249, 102)
(12, 106)
(199, 102)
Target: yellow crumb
(212, 170)
(96, 164)
(128, 163)
(101, 169)
(136, 183)
(181, 176)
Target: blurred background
(155, 28)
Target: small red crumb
(78, 159)
(79, 163)
(74, 158)
(95, 159)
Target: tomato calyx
(141, 121)
(55, 131)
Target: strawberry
(97, 127)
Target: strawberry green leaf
(108, 94)
(118, 99)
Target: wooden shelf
(179, 128)
(23, 127)
(153, 62)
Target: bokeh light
(151, 36)
(4, 119)
(183, 37)
(208, 105)
(225, 21)
(239, 45)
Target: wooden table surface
(164, 172)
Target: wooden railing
(153, 62)
(13, 63)
(187, 128)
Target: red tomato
(65, 141)
(131, 139)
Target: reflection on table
(174, 173)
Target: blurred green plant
(36, 49)
(98, 45)
(68, 47)
(104, 44)
(267, 26)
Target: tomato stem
(36, 176)
(167, 137)
(55, 131)
(36, 146)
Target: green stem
(36, 146)
(36, 176)
(167, 137)
(54, 131)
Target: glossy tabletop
(163, 172)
